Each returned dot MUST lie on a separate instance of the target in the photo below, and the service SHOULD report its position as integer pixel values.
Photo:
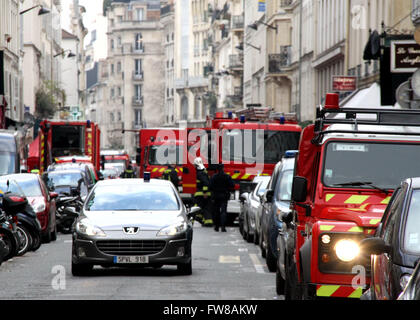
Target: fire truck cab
(348, 165)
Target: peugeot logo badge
(130, 230)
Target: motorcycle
(27, 225)
(68, 209)
(3, 250)
(9, 237)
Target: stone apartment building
(135, 77)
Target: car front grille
(131, 247)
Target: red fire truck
(61, 138)
(119, 159)
(348, 165)
(160, 147)
(248, 145)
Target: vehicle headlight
(346, 250)
(173, 229)
(84, 226)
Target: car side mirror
(287, 217)
(243, 196)
(374, 246)
(192, 212)
(299, 189)
(269, 195)
(53, 195)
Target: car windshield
(29, 185)
(165, 154)
(412, 225)
(370, 164)
(132, 198)
(65, 178)
(241, 145)
(284, 186)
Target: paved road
(225, 267)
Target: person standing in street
(128, 173)
(171, 175)
(202, 196)
(221, 184)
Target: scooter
(68, 209)
(9, 237)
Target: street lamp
(255, 25)
(40, 12)
(241, 46)
(70, 55)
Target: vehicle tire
(280, 283)
(47, 238)
(262, 246)
(185, 268)
(54, 234)
(270, 259)
(36, 241)
(27, 240)
(11, 246)
(256, 237)
(78, 270)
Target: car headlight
(85, 227)
(346, 250)
(173, 229)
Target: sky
(93, 8)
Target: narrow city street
(225, 267)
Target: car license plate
(131, 259)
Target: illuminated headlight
(85, 227)
(326, 239)
(173, 229)
(346, 250)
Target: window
(138, 42)
(112, 93)
(111, 116)
(138, 66)
(139, 14)
(112, 68)
(118, 66)
(119, 41)
(112, 44)
(137, 91)
(119, 91)
(119, 115)
(137, 117)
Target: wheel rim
(25, 238)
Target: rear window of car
(132, 198)
(29, 186)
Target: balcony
(138, 101)
(278, 62)
(138, 75)
(237, 96)
(236, 62)
(237, 23)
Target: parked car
(66, 182)
(110, 173)
(40, 199)
(251, 208)
(82, 160)
(82, 166)
(395, 248)
(276, 203)
(412, 289)
(131, 222)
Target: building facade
(135, 81)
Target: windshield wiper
(360, 184)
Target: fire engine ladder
(383, 117)
(265, 113)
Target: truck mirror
(374, 246)
(138, 159)
(299, 189)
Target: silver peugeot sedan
(132, 222)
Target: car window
(394, 209)
(64, 178)
(284, 186)
(412, 226)
(129, 198)
(30, 187)
(261, 187)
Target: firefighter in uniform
(128, 173)
(202, 196)
(220, 185)
(171, 175)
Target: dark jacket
(221, 184)
(203, 183)
(171, 175)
